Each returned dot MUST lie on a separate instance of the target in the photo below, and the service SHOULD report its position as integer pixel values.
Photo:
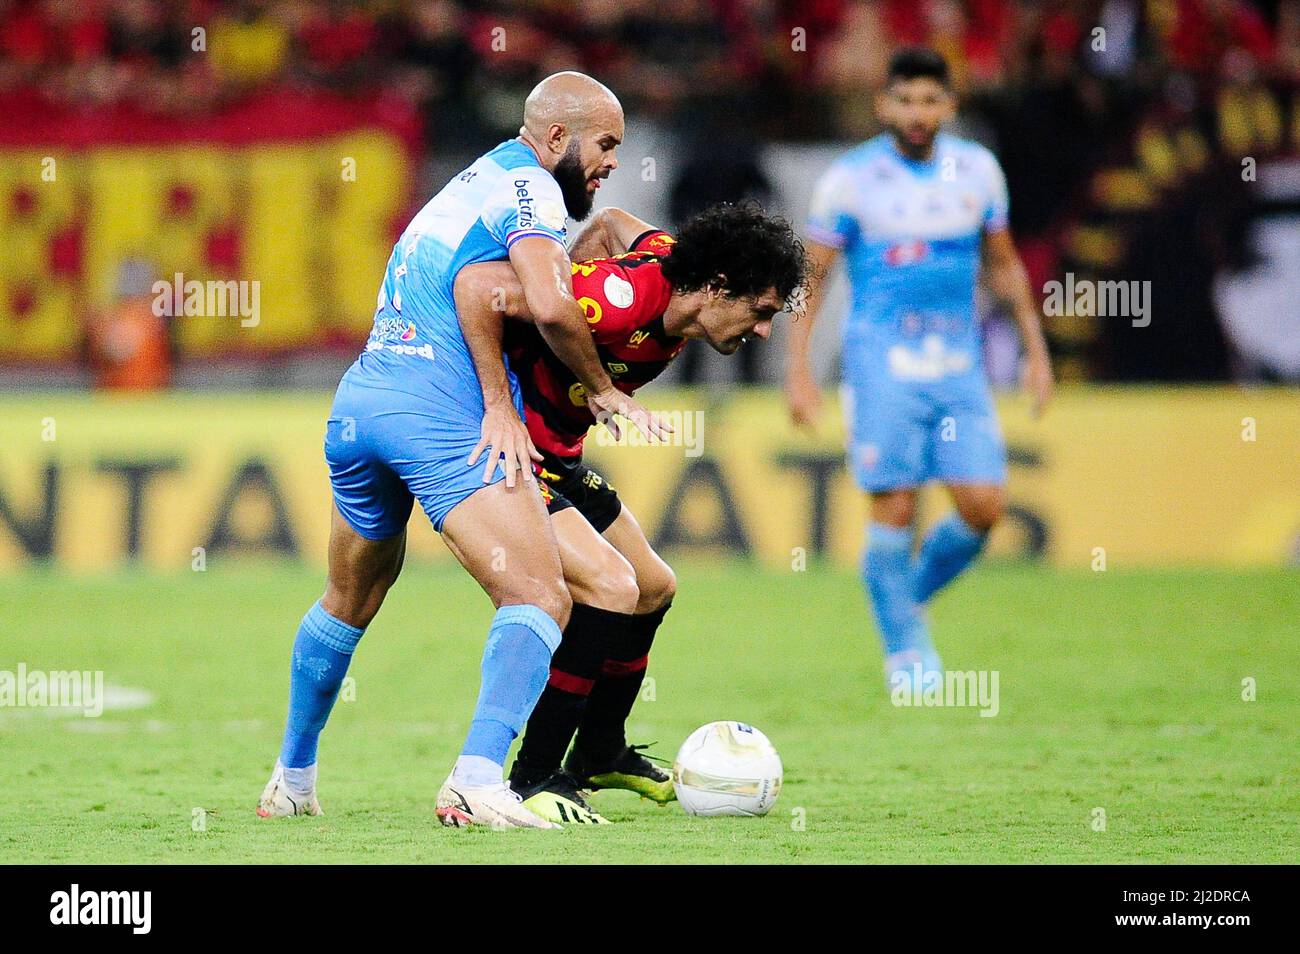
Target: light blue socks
(321, 654)
(887, 574)
(949, 547)
(516, 665)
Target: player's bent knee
(608, 584)
(356, 607)
(983, 512)
(895, 508)
(656, 588)
(551, 598)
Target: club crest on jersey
(551, 215)
(906, 253)
(618, 292)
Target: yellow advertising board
(1206, 476)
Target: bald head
(574, 124)
(573, 100)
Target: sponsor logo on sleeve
(525, 205)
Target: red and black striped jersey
(624, 299)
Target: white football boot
(279, 800)
(495, 806)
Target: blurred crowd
(1072, 94)
(464, 63)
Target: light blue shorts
(905, 434)
(387, 448)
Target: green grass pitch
(1119, 691)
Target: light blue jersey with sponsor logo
(409, 410)
(910, 232)
(917, 404)
(416, 345)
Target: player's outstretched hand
(1036, 379)
(505, 438)
(803, 399)
(607, 404)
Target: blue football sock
(321, 655)
(950, 546)
(887, 572)
(516, 665)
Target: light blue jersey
(416, 342)
(911, 234)
(409, 410)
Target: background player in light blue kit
(409, 421)
(914, 212)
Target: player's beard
(571, 178)
(916, 150)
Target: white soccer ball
(727, 768)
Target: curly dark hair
(738, 247)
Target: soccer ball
(727, 768)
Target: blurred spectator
(127, 344)
(248, 46)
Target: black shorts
(567, 482)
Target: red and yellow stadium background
(1153, 477)
(301, 193)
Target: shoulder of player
(519, 168)
(853, 159)
(629, 289)
(513, 155)
(640, 268)
(857, 163)
(977, 154)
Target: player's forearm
(821, 260)
(483, 328)
(801, 335)
(544, 271)
(610, 233)
(567, 335)
(1009, 283)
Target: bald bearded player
(409, 411)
